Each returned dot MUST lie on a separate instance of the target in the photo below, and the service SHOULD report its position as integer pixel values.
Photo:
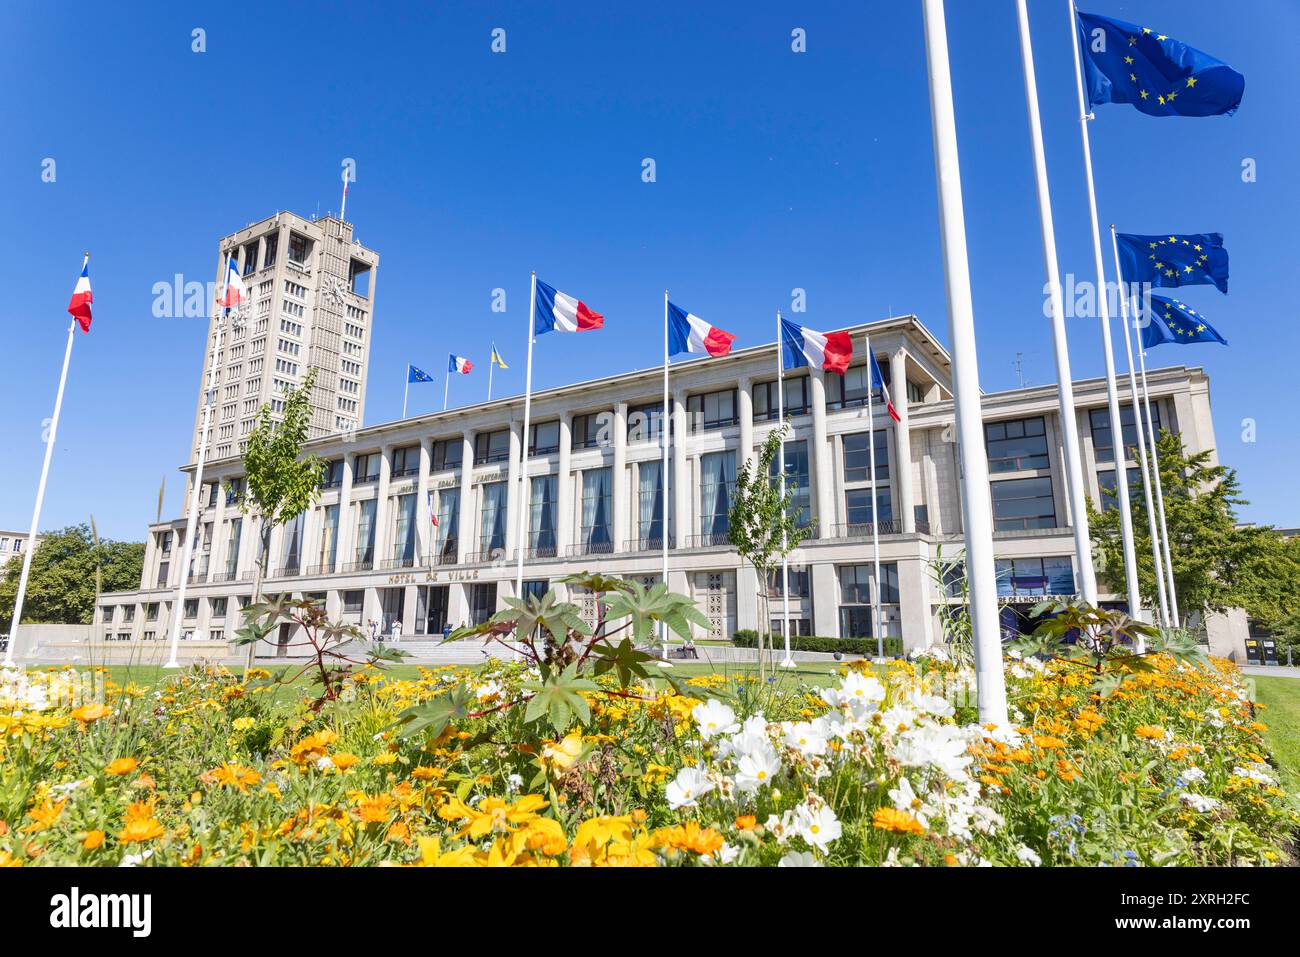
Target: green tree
(65, 567)
(1217, 562)
(763, 525)
(280, 483)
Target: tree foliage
(61, 586)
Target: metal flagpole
(196, 489)
(977, 506)
(1141, 442)
(492, 363)
(521, 501)
(664, 439)
(446, 385)
(1103, 312)
(788, 661)
(40, 494)
(875, 516)
(1087, 576)
(1160, 495)
(406, 391)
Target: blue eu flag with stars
(1169, 320)
(417, 375)
(1189, 259)
(1126, 63)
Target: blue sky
(775, 170)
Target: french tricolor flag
(801, 346)
(689, 333)
(458, 364)
(79, 304)
(559, 312)
(236, 291)
(878, 382)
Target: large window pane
(1023, 503)
(1103, 444)
(541, 516)
(857, 457)
(492, 518)
(797, 477)
(717, 482)
(596, 510)
(1017, 445)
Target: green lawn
(1282, 715)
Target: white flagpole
(1087, 577)
(491, 366)
(1103, 313)
(1160, 495)
(40, 494)
(446, 386)
(196, 489)
(977, 506)
(1141, 442)
(665, 433)
(521, 501)
(344, 204)
(875, 515)
(406, 391)
(788, 661)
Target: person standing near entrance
(397, 632)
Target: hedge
(748, 638)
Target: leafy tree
(1200, 510)
(280, 483)
(763, 525)
(1268, 583)
(66, 565)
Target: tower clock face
(336, 288)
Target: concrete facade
(370, 550)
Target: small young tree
(763, 525)
(279, 482)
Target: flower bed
(1168, 768)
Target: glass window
(1023, 503)
(857, 507)
(645, 422)
(596, 508)
(298, 248)
(1017, 445)
(492, 518)
(717, 483)
(365, 468)
(272, 247)
(492, 447)
(650, 505)
(292, 543)
(217, 608)
(448, 453)
(849, 391)
(232, 547)
(591, 430)
(431, 609)
(857, 456)
(329, 537)
(1103, 445)
(545, 438)
(448, 524)
(404, 529)
(856, 617)
(353, 601)
(797, 477)
(1035, 576)
(711, 410)
(1109, 495)
(332, 474)
(796, 398)
(366, 531)
(541, 516)
(406, 461)
(482, 602)
(799, 583)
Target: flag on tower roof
(236, 292)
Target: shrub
(748, 638)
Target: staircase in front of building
(420, 652)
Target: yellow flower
(312, 748)
(373, 810)
(232, 775)
(689, 837)
(1149, 731)
(93, 840)
(892, 819)
(492, 814)
(141, 825)
(384, 759)
(122, 766)
(344, 760)
(242, 724)
(91, 712)
(431, 854)
(44, 815)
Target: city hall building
(370, 548)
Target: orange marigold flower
(1047, 741)
(122, 766)
(141, 825)
(91, 712)
(746, 822)
(689, 837)
(892, 819)
(44, 815)
(93, 840)
(1149, 731)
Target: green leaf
(559, 700)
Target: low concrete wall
(121, 652)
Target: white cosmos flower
(728, 853)
(905, 799)
(806, 737)
(862, 694)
(799, 859)
(941, 746)
(135, 860)
(899, 716)
(489, 690)
(688, 787)
(817, 825)
(931, 704)
(1198, 802)
(1193, 774)
(714, 717)
(756, 768)
(752, 736)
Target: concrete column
(217, 563)
(745, 412)
(747, 600)
(565, 533)
(515, 497)
(424, 536)
(383, 513)
(457, 604)
(409, 602)
(823, 478)
(914, 603)
(467, 542)
(902, 470)
(825, 600)
(682, 524)
(618, 474)
(347, 529)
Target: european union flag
(417, 375)
(1125, 63)
(1169, 320)
(1190, 259)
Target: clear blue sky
(775, 170)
